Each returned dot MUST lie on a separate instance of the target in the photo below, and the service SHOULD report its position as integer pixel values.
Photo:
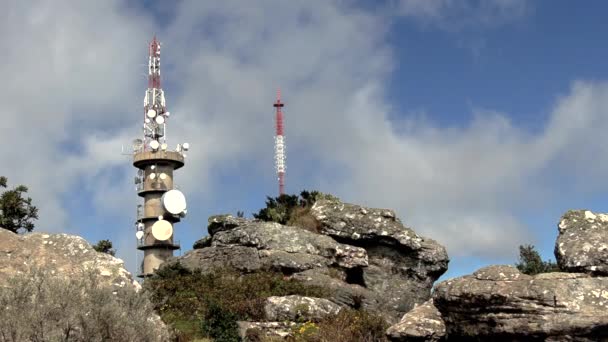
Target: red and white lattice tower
(279, 144)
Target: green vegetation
(208, 305)
(16, 212)
(531, 263)
(292, 210)
(104, 246)
(39, 306)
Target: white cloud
(459, 14)
(76, 90)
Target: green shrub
(531, 263)
(220, 324)
(182, 296)
(348, 325)
(293, 209)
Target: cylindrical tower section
(157, 169)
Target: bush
(348, 325)
(293, 209)
(39, 306)
(531, 263)
(184, 298)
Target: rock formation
(366, 257)
(63, 256)
(66, 255)
(499, 303)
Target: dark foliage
(291, 209)
(104, 246)
(531, 263)
(16, 212)
(215, 301)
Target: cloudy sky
(479, 122)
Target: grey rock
(500, 303)
(218, 223)
(202, 243)
(423, 323)
(244, 259)
(402, 265)
(61, 254)
(582, 243)
(267, 329)
(299, 308)
(276, 237)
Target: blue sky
(479, 122)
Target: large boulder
(63, 254)
(402, 265)
(366, 257)
(423, 323)
(299, 308)
(502, 304)
(582, 243)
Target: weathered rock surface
(402, 265)
(501, 304)
(423, 323)
(366, 257)
(299, 308)
(66, 255)
(582, 243)
(266, 329)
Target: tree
(16, 212)
(104, 246)
(531, 263)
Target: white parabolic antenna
(160, 120)
(174, 201)
(139, 234)
(162, 230)
(151, 113)
(154, 144)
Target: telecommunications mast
(163, 205)
(279, 144)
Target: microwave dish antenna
(174, 201)
(162, 230)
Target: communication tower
(279, 144)
(163, 204)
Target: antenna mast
(279, 144)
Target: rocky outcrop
(299, 308)
(423, 323)
(500, 303)
(402, 265)
(63, 254)
(68, 257)
(366, 257)
(582, 244)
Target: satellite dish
(185, 146)
(151, 113)
(183, 213)
(163, 147)
(147, 120)
(167, 114)
(152, 167)
(154, 144)
(160, 120)
(152, 175)
(174, 201)
(162, 230)
(139, 234)
(140, 225)
(163, 176)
